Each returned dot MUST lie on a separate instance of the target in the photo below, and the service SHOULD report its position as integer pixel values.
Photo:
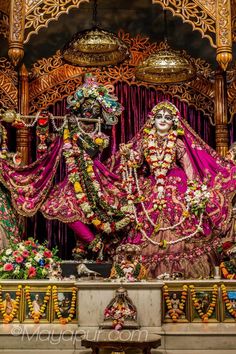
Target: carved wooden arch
(8, 85)
(52, 79)
(211, 17)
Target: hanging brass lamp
(95, 47)
(167, 66)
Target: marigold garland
(71, 311)
(226, 274)
(227, 302)
(37, 315)
(196, 303)
(7, 318)
(173, 314)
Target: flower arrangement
(175, 313)
(196, 197)
(36, 315)
(71, 311)
(27, 260)
(119, 312)
(227, 301)
(9, 317)
(211, 308)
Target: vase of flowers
(27, 260)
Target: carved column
(16, 34)
(223, 33)
(221, 119)
(22, 134)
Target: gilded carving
(195, 13)
(4, 25)
(16, 36)
(51, 79)
(223, 33)
(40, 12)
(233, 14)
(8, 85)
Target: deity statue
(180, 193)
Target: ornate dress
(180, 192)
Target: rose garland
(226, 274)
(37, 315)
(173, 314)
(71, 311)
(227, 302)
(211, 308)
(7, 318)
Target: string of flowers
(196, 195)
(71, 311)
(9, 317)
(36, 315)
(171, 311)
(87, 190)
(227, 301)
(226, 274)
(196, 303)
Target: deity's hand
(125, 150)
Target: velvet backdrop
(138, 102)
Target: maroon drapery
(138, 102)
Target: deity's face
(90, 108)
(163, 121)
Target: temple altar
(118, 177)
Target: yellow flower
(96, 222)
(99, 141)
(185, 214)
(90, 168)
(77, 187)
(66, 134)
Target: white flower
(8, 251)
(28, 264)
(21, 247)
(167, 158)
(37, 257)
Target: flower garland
(71, 311)
(226, 274)
(160, 160)
(87, 189)
(37, 315)
(227, 301)
(9, 317)
(172, 312)
(196, 303)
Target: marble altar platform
(93, 297)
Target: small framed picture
(36, 305)
(228, 309)
(12, 305)
(175, 305)
(64, 305)
(205, 305)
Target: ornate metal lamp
(95, 47)
(167, 66)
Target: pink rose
(32, 272)
(25, 254)
(47, 254)
(8, 267)
(15, 253)
(19, 259)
